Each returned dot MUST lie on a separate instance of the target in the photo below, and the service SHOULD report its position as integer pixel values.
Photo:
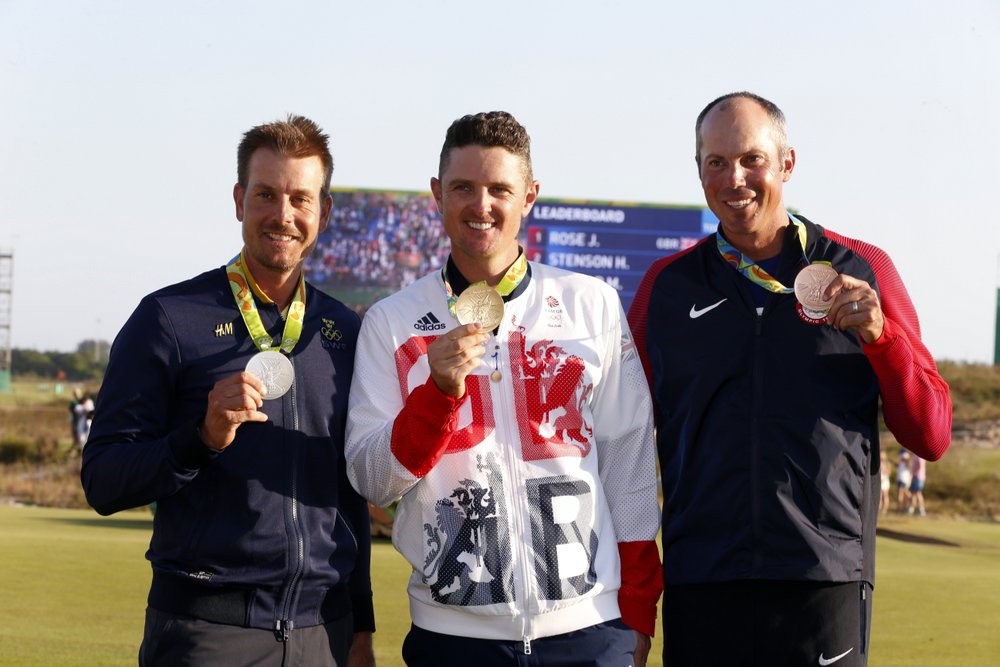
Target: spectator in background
(74, 417)
(918, 470)
(903, 477)
(884, 483)
(84, 413)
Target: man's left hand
(362, 653)
(642, 646)
(855, 306)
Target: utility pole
(6, 299)
(996, 325)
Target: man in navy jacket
(768, 347)
(225, 402)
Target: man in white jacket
(504, 403)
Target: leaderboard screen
(379, 241)
(614, 242)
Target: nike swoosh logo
(830, 661)
(695, 313)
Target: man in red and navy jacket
(767, 411)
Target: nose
(736, 175)
(286, 211)
(483, 202)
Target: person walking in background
(75, 409)
(503, 402)
(225, 402)
(903, 477)
(884, 483)
(918, 479)
(84, 413)
(768, 347)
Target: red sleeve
(637, 313)
(916, 401)
(423, 428)
(642, 584)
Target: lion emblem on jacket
(468, 562)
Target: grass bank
(75, 584)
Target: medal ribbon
(750, 269)
(243, 286)
(515, 274)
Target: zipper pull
(282, 629)
(527, 646)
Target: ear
(788, 164)
(324, 212)
(530, 196)
(436, 191)
(238, 193)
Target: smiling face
(283, 208)
(482, 195)
(742, 172)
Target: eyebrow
(260, 185)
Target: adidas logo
(429, 323)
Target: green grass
(74, 589)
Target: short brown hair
(296, 136)
(491, 129)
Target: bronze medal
(810, 284)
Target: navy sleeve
(135, 453)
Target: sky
(119, 122)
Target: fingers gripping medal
(810, 284)
(274, 370)
(482, 303)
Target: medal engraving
(480, 303)
(810, 284)
(274, 370)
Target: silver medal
(274, 370)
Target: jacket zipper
(284, 624)
(755, 444)
(521, 572)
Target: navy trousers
(604, 645)
(766, 623)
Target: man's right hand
(232, 401)
(454, 355)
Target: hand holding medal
(458, 353)
(845, 301)
(269, 374)
(233, 401)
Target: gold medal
(496, 376)
(480, 303)
(810, 284)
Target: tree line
(88, 362)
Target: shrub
(16, 450)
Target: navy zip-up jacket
(767, 425)
(273, 515)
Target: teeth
(742, 203)
(280, 237)
(481, 226)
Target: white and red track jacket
(528, 507)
